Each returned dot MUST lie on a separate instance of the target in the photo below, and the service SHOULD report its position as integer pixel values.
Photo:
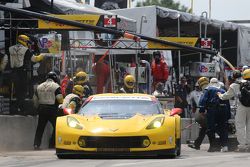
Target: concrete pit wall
(17, 132)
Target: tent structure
(72, 7)
(229, 38)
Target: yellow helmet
(246, 74)
(203, 81)
(81, 77)
(129, 81)
(78, 89)
(24, 40)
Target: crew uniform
(181, 93)
(48, 95)
(242, 118)
(159, 69)
(81, 78)
(102, 72)
(217, 115)
(195, 96)
(74, 100)
(159, 89)
(21, 59)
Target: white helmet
(244, 68)
(215, 83)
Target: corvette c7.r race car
(119, 124)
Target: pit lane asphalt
(189, 158)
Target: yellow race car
(119, 124)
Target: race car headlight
(156, 123)
(74, 123)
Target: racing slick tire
(170, 155)
(61, 156)
(178, 147)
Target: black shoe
(36, 147)
(211, 149)
(194, 146)
(190, 141)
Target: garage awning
(187, 17)
(73, 7)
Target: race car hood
(95, 124)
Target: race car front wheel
(178, 147)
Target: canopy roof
(187, 17)
(73, 7)
(161, 16)
(160, 21)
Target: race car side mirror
(175, 111)
(67, 111)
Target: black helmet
(236, 74)
(52, 75)
(159, 86)
(157, 53)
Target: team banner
(49, 43)
(83, 18)
(198, 69)
(190, 41)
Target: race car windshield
(126, 108)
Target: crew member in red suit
(159, 69)
(102, 72)
(64, 84)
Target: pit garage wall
(17, 132)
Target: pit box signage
(206, 43)
(110, 21)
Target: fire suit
(217, 116)
(64, 83)
(181, 93)
(194, 98)
(21, 59)
(72, 101)
(242, 118)
(126, 90)
(200, 118)
(159, 72)
(102, 72)
(87, 88)
(49, 96)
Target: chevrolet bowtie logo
(113, 129)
